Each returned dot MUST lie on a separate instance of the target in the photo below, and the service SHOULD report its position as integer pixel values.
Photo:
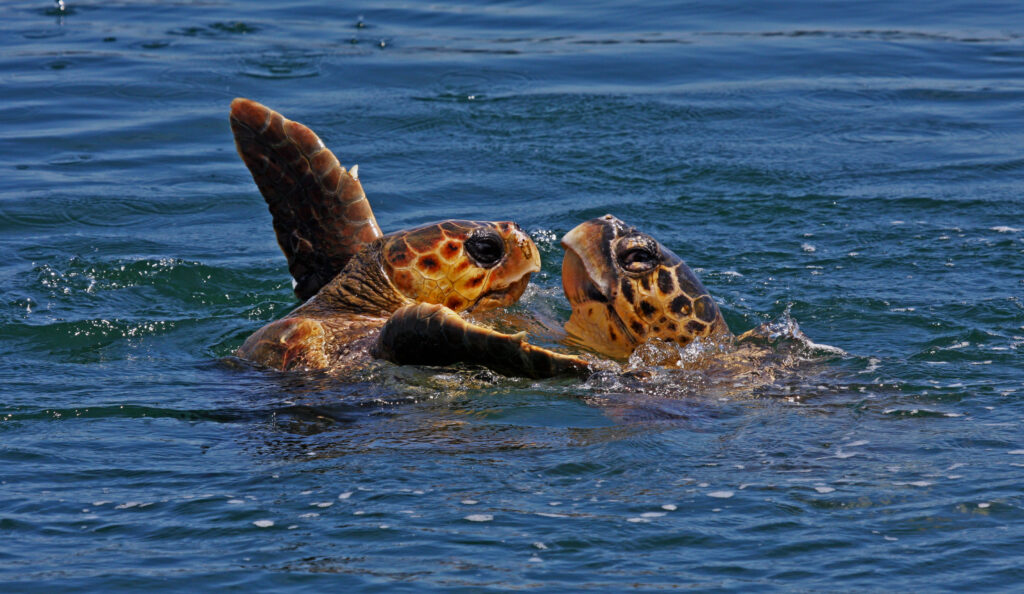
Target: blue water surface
(854, 166)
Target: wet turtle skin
(625, 288)
(353, 278)
(337, 327)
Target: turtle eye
(487, 249)
(638, 259)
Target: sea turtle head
(626, 288)
(464, 265)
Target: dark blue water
(857, 165)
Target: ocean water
(853, 168)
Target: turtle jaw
(590, 284)
(502, 297)
(588, 272)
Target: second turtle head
(626, 288)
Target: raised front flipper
(291, 343)
(428, 334)
(321, 215)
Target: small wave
(776, 353)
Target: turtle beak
(523, 257)
(587, 269)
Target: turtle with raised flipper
(355, 280)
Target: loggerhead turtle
(355, 280)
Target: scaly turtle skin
(354, 278)
(625, 288)
(633, 298)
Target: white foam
(984, 505)
(1016, 452)
(263, 523)
(345, 495)
(638, 520)
(721, 494)
(535, 559)
(808, 248)
(323, 504)
(469, 502)
(824, 489)
(479, 517)
(540, 545)
(652, 514)
(1004, 229)
(669, 507)
(235, 501)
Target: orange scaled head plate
(462, 264)
(626, 288)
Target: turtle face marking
(461, 264)
(625, 288)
